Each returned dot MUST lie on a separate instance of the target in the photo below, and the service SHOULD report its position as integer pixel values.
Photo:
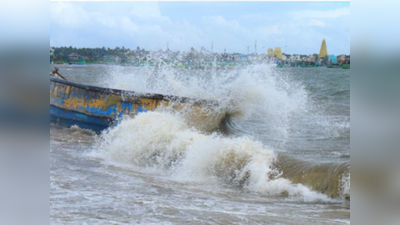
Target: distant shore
(191, 59)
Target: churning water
(280, 155)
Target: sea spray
(257, 91)
(164, 143)
(345, 186)
(280, 106)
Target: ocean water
(280, 156)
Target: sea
(279, 155)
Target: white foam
(256, 91)
(163, 142)
(167, 142)
(345, 186)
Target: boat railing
(56, 77)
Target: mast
(255, 47)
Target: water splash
(172, 143)
(164, 143)
(257, 91)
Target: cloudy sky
(297, 27)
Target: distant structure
(270, 52)
(278, 53)
(194, 58)
(323, 53)
(255, 47)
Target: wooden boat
(98, 108)
(346, 66)
(77, 62)
(333, 66)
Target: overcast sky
(300, 26)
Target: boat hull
(346, 66)
(69, 118)
(97, 108)
(92, 107)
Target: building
(341, 59)
(295, 58)
(332, 59)
(73, 56)
(324, 51)
(278, 53)
(270, 52)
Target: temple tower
(323, 52)
(278, 53)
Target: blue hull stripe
(69, 118)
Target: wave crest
(164, 143)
